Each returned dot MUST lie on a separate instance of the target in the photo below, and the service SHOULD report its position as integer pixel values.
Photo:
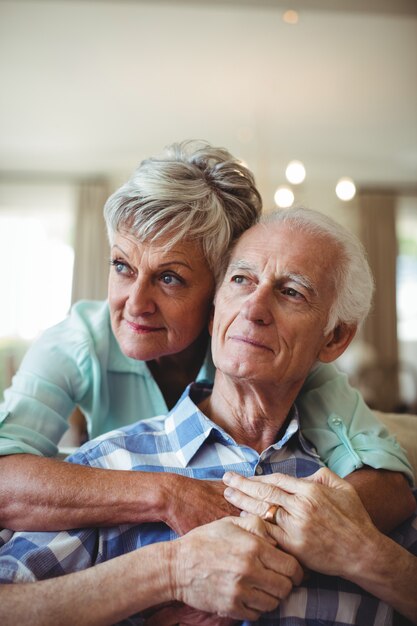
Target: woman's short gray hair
(192, 191)
(353, 281)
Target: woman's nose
(257, 307)
(140, 300)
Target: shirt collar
(192, 428)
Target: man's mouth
(250, 341)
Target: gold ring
(270, 514)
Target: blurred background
(90, 88)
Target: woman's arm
(348, 437)
(248, 578)
(345, 432)
(386, 496)
(65, 367)
(322, 522)
(45, 494)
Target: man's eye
(170, 279)
(289, 291)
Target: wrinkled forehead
(282, 249)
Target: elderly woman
(129, 358)
(279, 309)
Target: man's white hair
(352, 276)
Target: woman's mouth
(143, 329)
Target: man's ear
(337, 341)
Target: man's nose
(141, 299)
(257, 307)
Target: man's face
(273, 304)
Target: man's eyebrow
(300, 279)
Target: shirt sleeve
(53, 377)
(32, 556)
(345, 432)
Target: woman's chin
(141, 352)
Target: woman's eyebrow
(115, 245)
(175, 262)
(240, 264)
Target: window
(36, 264)
(407, 269)
(406, 225)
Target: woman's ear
(337, 341)
(211, 317)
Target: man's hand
(190, 503)
(231, 567)
(320, 520)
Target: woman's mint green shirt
(79, 362)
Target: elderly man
(295, 288)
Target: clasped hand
(315, 516)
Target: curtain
(91, 245)
(377, 215)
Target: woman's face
(159, 297)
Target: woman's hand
(320, 519)
(233, 568)
(188, 503)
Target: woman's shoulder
(86, 328)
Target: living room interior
(90, 88)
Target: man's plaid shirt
(187, 442)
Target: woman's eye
(171, 279)
(120, 267)
(239, 279)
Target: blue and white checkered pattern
(188, 443)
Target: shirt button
(336, 421)
(259, 470)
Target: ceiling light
(345, 189)
(295, 172)
(290, 17)
(283, 197)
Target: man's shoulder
(127, 447)
(137, 437)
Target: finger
(324, 476)
(260, 506)
(254, 525)
(283, 540)
(259, 490)
(290, 484)
(246, 503)
(261, 602)
(279, 563)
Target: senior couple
(295, 288)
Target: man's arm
(322, 522)
(248, 578)
(37, 493)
